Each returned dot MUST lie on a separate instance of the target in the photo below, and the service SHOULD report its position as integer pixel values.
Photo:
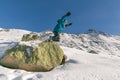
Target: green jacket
(60, 25)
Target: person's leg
(56, 36)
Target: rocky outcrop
(44, 57)
(31, 36)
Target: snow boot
(57, 38)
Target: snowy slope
(9, 37)
(80, 64)
(12, 34)
(99, 42)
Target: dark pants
(56, 35)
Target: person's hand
(70, 24)
(68, 14)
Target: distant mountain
(91, 41)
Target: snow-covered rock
(44, 57)
(31, 36)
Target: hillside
(93, 55)
(92, 40)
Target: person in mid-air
(61, 24)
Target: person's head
(68, 14)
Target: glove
(70, 24)
(68, 14)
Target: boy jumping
(61, 24)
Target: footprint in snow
(36, 77)
(60, 76)
(3, 77)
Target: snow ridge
(92, 40)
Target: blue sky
(40, 15)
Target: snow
(12, 34)
(10, 38)
(31, 43)
(80, 65)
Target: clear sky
(40, 15)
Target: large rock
(31, 36)
(44, 57)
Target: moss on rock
(31, 36)
(45, 57)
